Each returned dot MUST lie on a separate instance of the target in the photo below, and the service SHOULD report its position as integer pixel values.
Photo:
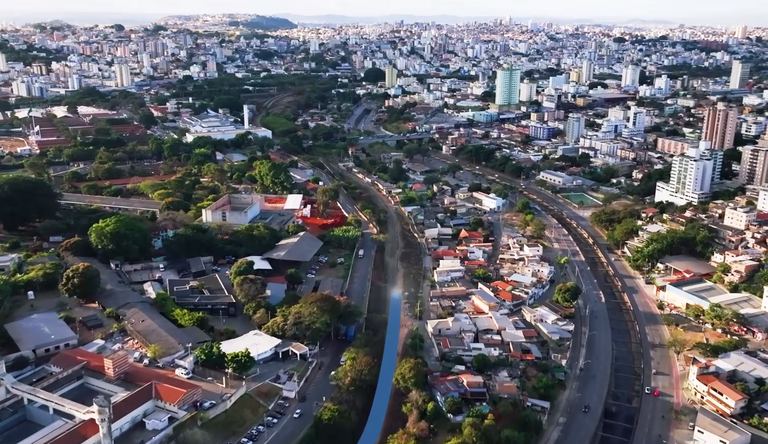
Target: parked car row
(316, 266)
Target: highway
(394, 137)
(625, 411)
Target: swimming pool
(582, 200)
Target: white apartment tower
(739, 74)
(3, 62)
(507, 86)
(692, 177)
(741, 32)
(637, 118)
(390, 76)
(314, 45)
(720, 126)
(75, 82)
(630, 76)
(527, 91)
(662, 83)
(587, 71)
(122, 76)
(574, 128)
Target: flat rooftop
(703, 289)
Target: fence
(223, 406)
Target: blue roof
(386, 374)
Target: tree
(75, 246)
(211, 356)
(118, 27)
(25, 199)
(121, 236)
(240, 362)
(374, 75)
(36, 166)
(293, 229)
(294, 277)
(523, 205)
(402, 436)
(249, 288)
(81, 281)
(324, 196)
(261, 317)
(481, 363)
(147, 119)
(332, 420)
(694, 311)
(243, 267)
(537, 228)
(272, 177)
(453, 405)
(154, 351)
(358, 374)
(174, 205)
(482, 275)
(409, 374)
(678, 343)
(566, 294)
(622, 232)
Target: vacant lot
(228, 426)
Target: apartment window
(223, 216)
(66, 345)
(58, 347)
(700, 431)
(48, 350)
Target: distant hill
(248, 21)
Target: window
(66, 345)
(58, 347)
(48, 350)
(700, 431)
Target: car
(297, 413)
(310, 275)
(654, 372)
(162, 267)
(343, 360)
(273, 419)
(302, 398)
(260, 428)
(690, 426)
(215, 269)
(586, 408)
(647, 390)
(184, 373)
(277, 414)
(269, 424)
(246, 441)
(655, 393)
(208, 404)
(283, 403)
(226, 396)
(252, 436)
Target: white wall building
(739, 74)
(507, 85)
(630, 76)
(489, 202)
(712, 428)
(556, 178)
(692, 176)
(574, 128)
(740, 217)
(261, 345)
(233, 209)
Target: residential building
(507, 86)
(711, 428)
(3, 63)
(574, 128)
(8, 261)
(719, 127)
(637, 119)
(753, 169)
(691, 178)
(587, 71)
(465, 385)
(741, 32)
(489, 202)
(233, 209)
(390, 76)
(122, 76)
(675, 145)
(711, 391)
(754, 126)
(457, 325)
(207, 294)
(739, 74)
(630, 76)
(527, 91)
(762, 200)
(448, 270)
(541, 131)
(740, 217)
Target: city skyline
(685, 11)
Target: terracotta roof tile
(77, 434)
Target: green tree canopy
(409, 374)
(566, 294)
(25, 199)
(272, 177)
(122, 237)
(81, 281)
(374, 75)
(240, 362)
(243, 267)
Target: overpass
(393, 138)
(112, 203)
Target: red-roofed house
(471, 235)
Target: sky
(141, 11)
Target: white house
(261, 345)
(489, 202)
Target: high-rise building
(75, 82)
(3, 62)
(507, 85)
(630, 76)
(753, 169)
(739, 74)
(314, 45)
(122, 76)
(574, 128)
(662, 83)
(637, 118)
(146, 60)
(587, 71)
(720, 126)
(527, 91)
(22, 87)
(692, 177)
(390, 76)
(741, 32)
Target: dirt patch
(229, 426)
(266, 392)
(11, 144)
(692, 331)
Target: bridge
(113, 203)
(393, 138)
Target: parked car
(246, 441)
(276, 413)
(184, 373)
(283, 403)
(208, 404)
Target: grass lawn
(298, 366)
(303, 371)
(233, 423)
(266, 392)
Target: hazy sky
(683, 11)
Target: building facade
(691, 177)
(507, 85)
(720, 126)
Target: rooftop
(298, 248)
(721, 427)
(688, 265)
(255, 341)
(150, 327)
(39, 331)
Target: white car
(184, 373)
(647, 390)
(310, 275)
(297, 413)
(343, 360)
(246, 441)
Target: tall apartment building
(3, 62)
(720, 126)
(637, 118)
(691, 178)
(390, 76)
(527, 91)
(754, 126)
(754, 163)
(122, 76)
(739, 74)
(741, 32)
(675, 145)
(574, 128)
(630, 76)
(587, 71)
(507, 85)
